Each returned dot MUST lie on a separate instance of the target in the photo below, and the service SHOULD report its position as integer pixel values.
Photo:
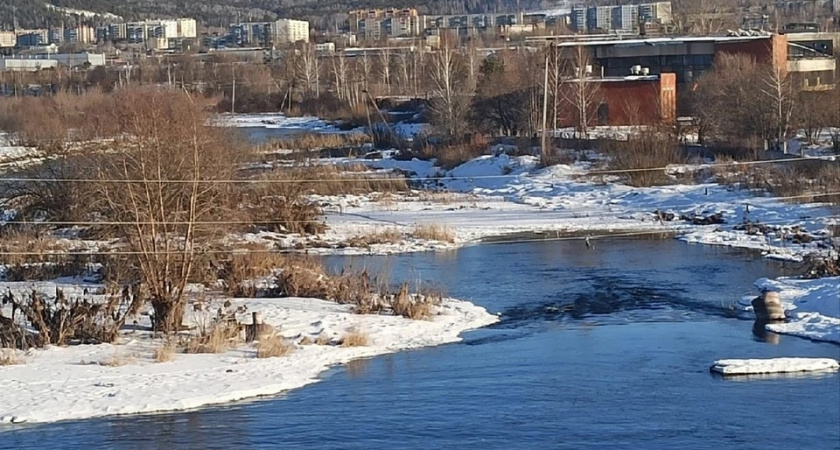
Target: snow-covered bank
(274, 121)
(775, 365)
(812, 307)
(72, 383)
(499, 195)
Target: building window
(603, 114)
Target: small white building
(326, 47)
(26, 64)
(79, 59)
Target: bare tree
(448, 102)
(162, 189)
(580, 89)
(778, 91)
(385, 69)
(308, 68)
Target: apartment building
(283, 31)
(143, 31)
(8, 39)
(379, 23)
(619, 18)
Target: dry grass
(808, 180)
(117, 360)
(438, 197)
(652, 150)
(303, 277)
(219, 338)
(241, 269)
(11, 358)
(323, 339)
(417, 307)
(306, 340)
(164, 353)
(273, 346)
(354, 338)
(317, 141)
(344, 180)
(387, 236)
(434, 232)
(450, 156)
(32, 255)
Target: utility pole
(233, 89)
(543, 146)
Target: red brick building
(620, 101)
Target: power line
(570, 214)
(674, 228)
(388, 177)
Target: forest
(30, 14)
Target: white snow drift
(87, 381)
(774, 365)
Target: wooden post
(256, 318)
(768, 307)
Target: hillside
(33, 13)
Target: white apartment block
(8, 39)
(290, 31)
(187, 28)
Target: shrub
(116, 360)
(273, 346)
(10, 358)
(303, 277)
(165, 352)
(242, 269)
(388, 236)
(453, 155)
(323, 339)
(354, 339)
(217, 339)
(417, 307)
(62, 321)
(651, 150)
(434, 232)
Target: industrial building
(635, 99)
(31, 63)
(806, 56)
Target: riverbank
(811, 306)
(86, 381)
(503, 197)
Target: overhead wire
(558, 214)
(579, 234)
(386, 176)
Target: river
(602, 348)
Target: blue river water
(603, 348)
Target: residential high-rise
(625, 18)
(285, 31)
(599, 18)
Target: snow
(774, 365)
(13, 156)
(494, 196)
(275, 121)
(84, 13)
(66, 383)
(811, 306)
